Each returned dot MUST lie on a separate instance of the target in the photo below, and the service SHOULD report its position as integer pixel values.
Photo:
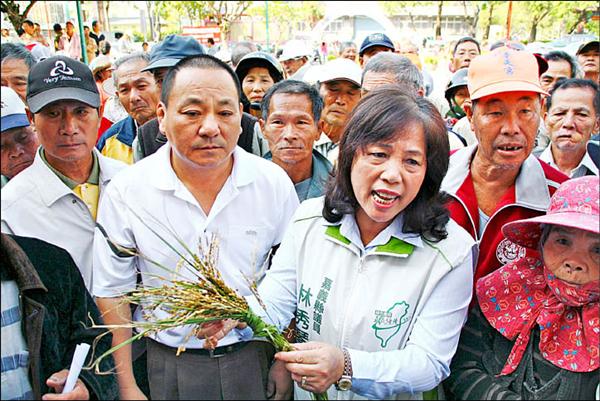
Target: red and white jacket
(528, 197)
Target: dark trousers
(140, 371)
(238, 375)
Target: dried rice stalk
(188, 302)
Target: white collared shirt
(37, 204)
(586, 164)
(249, 215)
(327, 148)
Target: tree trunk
(151, 18)
(533, 31)
(486, 34)
(438, 21)
(102, 14)
(412, 21)
(582, 18)
(107, 25)
(475, 21)
(12, 11)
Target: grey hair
(240, 50)
(16, 51)
(404, 71)
(130, 58)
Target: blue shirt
(314, 186)
(15, 356)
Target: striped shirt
(15, 357)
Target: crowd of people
(412, 246)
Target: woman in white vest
(375, 274)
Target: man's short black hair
(576, 83)
(16, 51)
(464, 40)
(105, 47)
(94, 23)
(559, 55)
(57, 27)
(293, 87)
(28, 22)
(201, 61)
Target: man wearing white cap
(18, 140)
(295, 59)
(339, 86)
(56, 198)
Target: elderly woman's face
(386, 177)
(572, 255)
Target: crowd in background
(424, 233)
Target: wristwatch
(345, 382)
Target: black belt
(216, 353)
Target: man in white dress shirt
(198, 185)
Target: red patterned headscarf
(524, 293)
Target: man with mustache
(290, 122)
(138, 93)
(57, 197)
(18, 139)
(498, 180)
(201, 185)
(573, 117)
(339, 86)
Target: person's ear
(29, 115)
(467, 106)
(161, 112)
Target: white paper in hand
(79, 356)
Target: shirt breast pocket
(248, 247)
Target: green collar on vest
(394, 246)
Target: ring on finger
(303, 382)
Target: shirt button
(74, 201)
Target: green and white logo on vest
(387, 323)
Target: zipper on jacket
(347, 306)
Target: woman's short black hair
(381, 116)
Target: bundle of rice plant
(204, 299)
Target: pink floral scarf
(521, 294)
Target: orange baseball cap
(503, 70)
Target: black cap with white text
(60, 78)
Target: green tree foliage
(554, 18)
(490, 9)
(12, 9)
(289, 14)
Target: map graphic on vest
(387, 323)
